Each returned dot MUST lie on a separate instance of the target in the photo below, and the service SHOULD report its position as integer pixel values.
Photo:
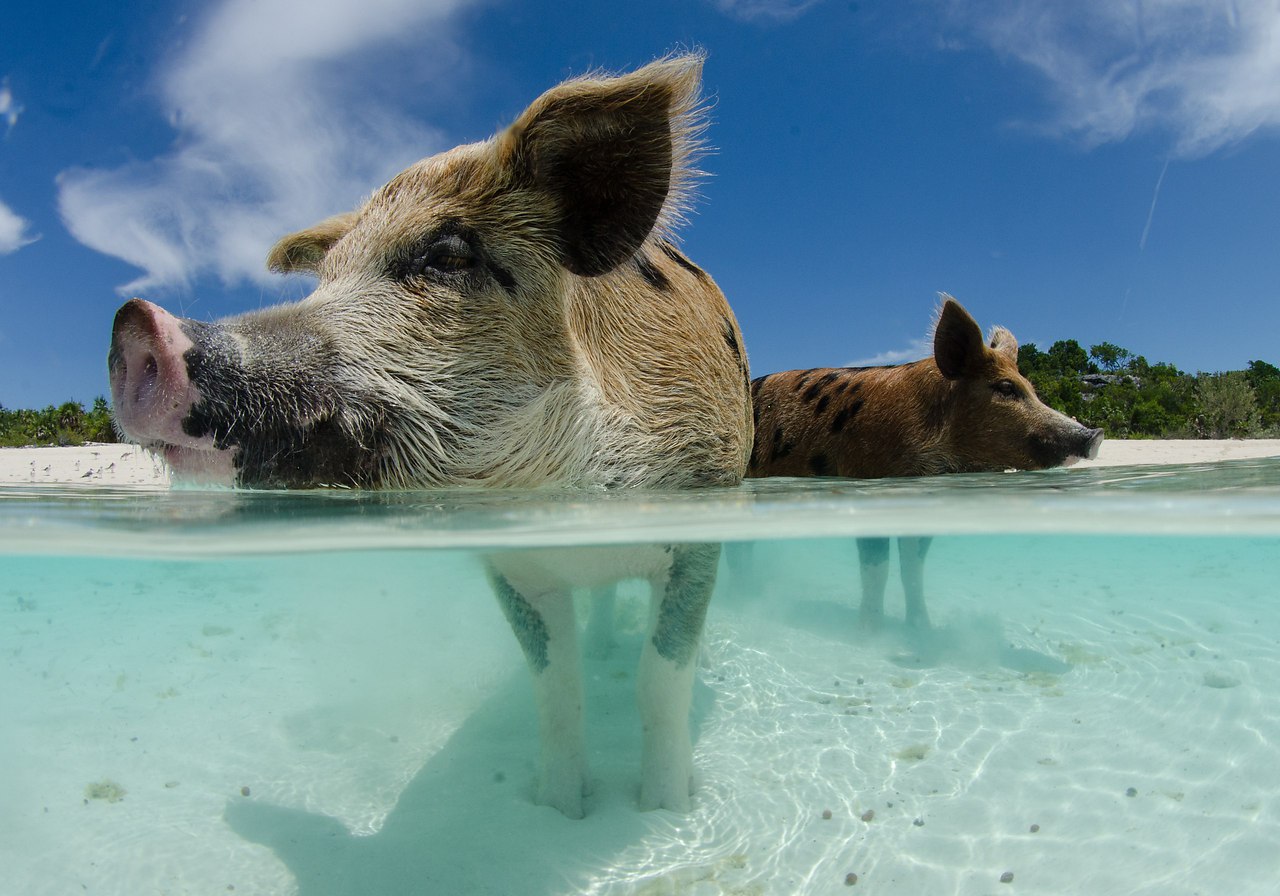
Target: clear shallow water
(316, 693)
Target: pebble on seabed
(1006, 878)
(868, 815)
(826, 814)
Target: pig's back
(856, 422)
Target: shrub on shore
(65, 424)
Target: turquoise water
(213, 692)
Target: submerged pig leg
(600, 622)
(545, 626)
(873, 564)
(911, 554)
(665, 679)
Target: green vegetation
(66, 424)
(1129, 397)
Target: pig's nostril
(146, 385)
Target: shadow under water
(967, 642)
(466, 823)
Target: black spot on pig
(681, 259)
(652, 274)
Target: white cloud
(14, 232)
(9, 108)
(284, 115)
(915, 350)
(1204, 71)
(752, 10)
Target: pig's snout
(151, 393)
(1091, 442)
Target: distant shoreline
(130, 465)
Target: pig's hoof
(670, 791)
(564, 793)
(567, 804)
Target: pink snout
(150, 391)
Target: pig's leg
(873, 564)
(911, 554)
(544, 625)
(665, 679)
(599, 634)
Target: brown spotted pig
(509, 313)
(967, 409)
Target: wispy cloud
(14, 231)
(915, 350)
(282, 118)
(1204, 71)
(756, 10)
(9, 108)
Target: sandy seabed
(1089, 716)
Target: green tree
(1260, 372)
(1030, 358)
(1265, 380)
(1111, 357)
(1228, 407)
(1112, 409)
(1067, 356)
(98, 425)
(65, 424)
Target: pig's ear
(1004, 342)
(303, 251)
(611, 156)
(957, 342)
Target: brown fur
(967, 409)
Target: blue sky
(1097, 170)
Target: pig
(509, 314)
(967, 409)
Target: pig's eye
(452, 262)
(1007, 388)
(448, 254)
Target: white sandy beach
(94, 464)
(127, 465)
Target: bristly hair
(943, 298)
